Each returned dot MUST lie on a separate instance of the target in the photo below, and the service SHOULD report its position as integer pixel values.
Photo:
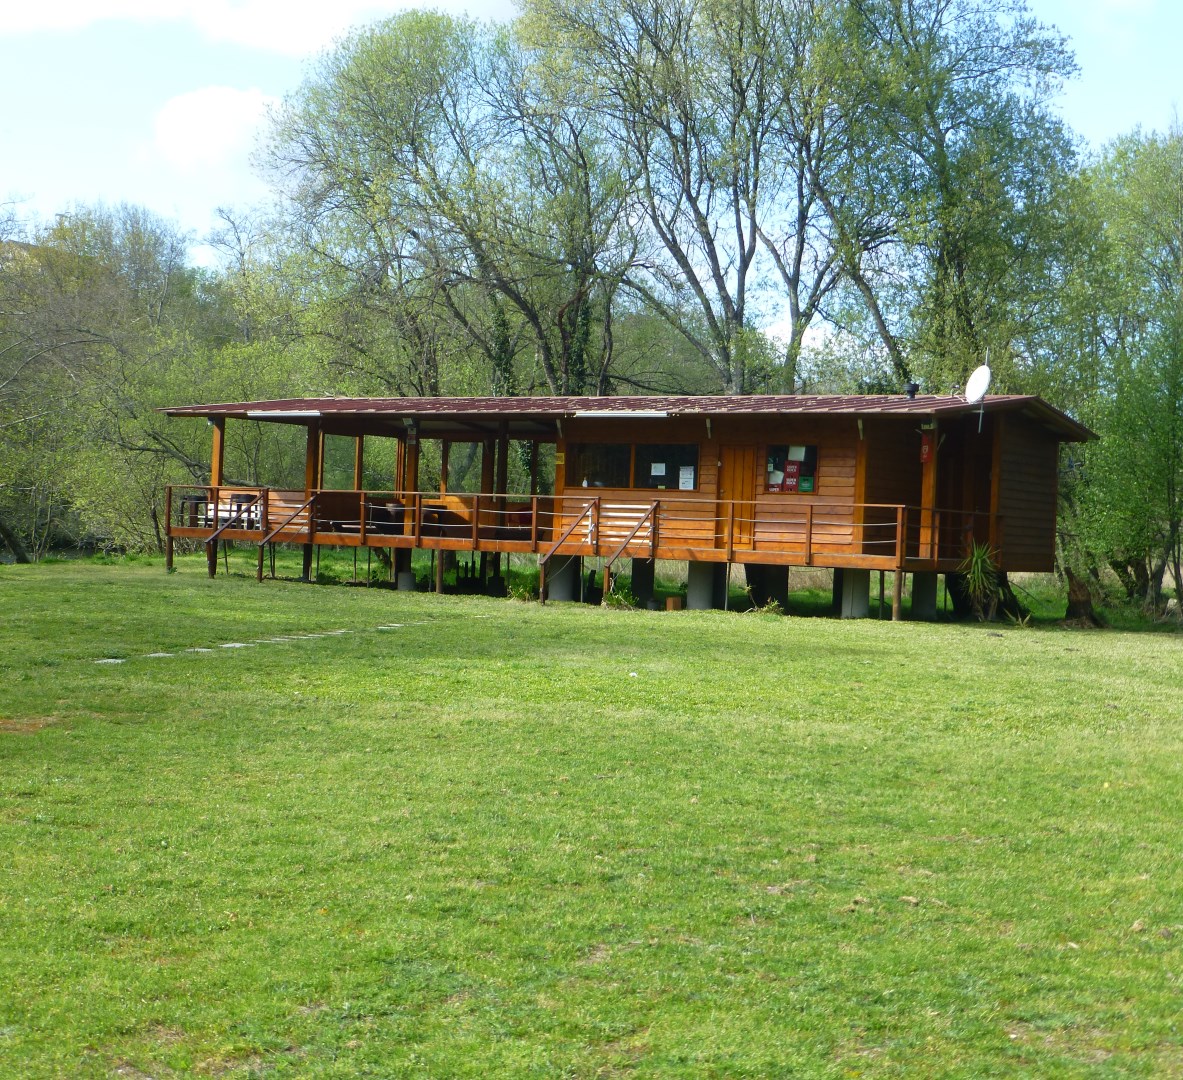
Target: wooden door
(737, 497)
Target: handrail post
(476, 521)
(897, 586)
(361, 518)
(534, 524)
(730, 530)
(168, 526)
(809, 534)
(653, 529)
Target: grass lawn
(460, 837)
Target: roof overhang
(540, 418)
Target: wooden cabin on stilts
(889, 483)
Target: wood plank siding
(1027, 494)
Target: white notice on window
(686, 478)
(657, 468)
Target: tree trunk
(959, 595)
(1008, 603)
(14, 544)
(1080, 601)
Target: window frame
(810, 456)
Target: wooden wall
(1027, 492)
(774, 519)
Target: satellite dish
(979, 383)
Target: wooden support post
(928, 498)
(359, 450)
(312, 476)
(487, 466)
(217, 462)
(500, 483)
(168, 527)
(897, 596)
(411, 461)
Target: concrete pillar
(768, 582)
(706, 585)
(562, 577)
(852, 591)
(642, 576)
(924, 596)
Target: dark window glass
(599, 465)
(673, 466)
(792, 468)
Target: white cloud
(210, 127)
(293, 27)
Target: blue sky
(159, 102)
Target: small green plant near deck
(621, 596)
(477, 838)
(981, 581)
(769, 607)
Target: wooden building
(856, 484)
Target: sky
(160, 103)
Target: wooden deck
(606, 524)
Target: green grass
(506, 840)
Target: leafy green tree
(945, 201)
(99, 315)
(687, 93)
(1133, 487)
(426, 160)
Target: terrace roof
(539, 417)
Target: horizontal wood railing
(612, 524)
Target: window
(792, 468)
(661, 466)
(673, 466)
(599, 465)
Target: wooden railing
(606, 525)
